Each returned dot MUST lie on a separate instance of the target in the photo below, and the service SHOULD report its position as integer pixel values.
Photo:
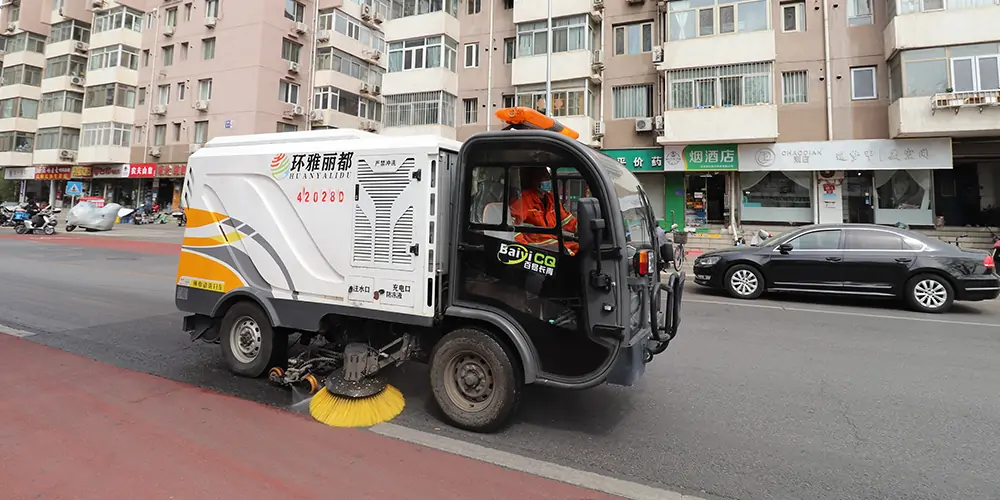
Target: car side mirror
(785, 248)
(591, 225)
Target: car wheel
(475, 380)
(70, 228)
(248, 340)
(929, 293)
(744, 282)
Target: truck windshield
(635, 207)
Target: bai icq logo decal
(280, 165)
(514, 254)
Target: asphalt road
(770, 399)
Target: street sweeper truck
(326, 258)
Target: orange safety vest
(537, 208)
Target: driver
(33, 211)
(537, 207)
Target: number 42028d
(324, 196)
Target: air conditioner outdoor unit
(598, 4)
(301, 28)
(154, 151)
(366, 12)
(298, 110)
(598, 129)
(193, 148)
(293, 67)
(210, 21)
(364, 88)
(168, 31)
(66, 154)
(160, 109)
(317, 116)
(378, 18)
(597, 15)
(657, 55)
(201, 105)
(643, 124)
(78, 81)
(374, 55)
(595, 78)
(81, 46)
(11, 27)
(597, 60)
(323, 36)
(97, 4)
(376, 89)
(658, 123)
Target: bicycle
(957, 238)
(679, 239)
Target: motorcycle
(7, 216)
(48, 225)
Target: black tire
(678, 257)
(249, 315)
(20, 229)
(478, 348)
(70, 228)
(929, 293)
(750, 282)
(49, 230)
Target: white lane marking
(14, 332)
(548, 470)
(844, 313)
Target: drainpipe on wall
(311, 100)
(149, 98)
(548, 62)
(600, 104)
(829, 96)
(489, 71)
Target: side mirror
(785, 248)
(590, 225)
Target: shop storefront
(708, 173)
(880, 181)
(111, 183)
(647, 164)
(168, 185)
(21, 176)
(52, 182)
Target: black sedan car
(853, 259)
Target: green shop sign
(638, 160)
(702, 157)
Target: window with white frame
(70, 30)
(863, 83)
(794, 87)
(470, 111)
(380, 7)
(793, 17)
(475, 6)
(961, 68)
(22, 74)
(471, 55)
(421, 53)
(295, 11)
(66, 65)
(632, 101)
(634, 38)
(117, 18)
(565, 102)
(288, 92)
(745, 84)
(508, 101)
(17, 142)
(63, 101)
(211, 8)
(163, 95)
(170, 20)
(19, 107)
(205, 89)
(25, 41)
(509, 50)
(167, 57)
(290, 51)
(283, 127)
(181, 91)
(57, 138)
(110, 94)
(159, 135)
(694, 18)
(407, 8)
(334, 59)
(114, 56)
(337, 99)
(859, 12)
(420, 108)
(208, 49)
(106, 134)
(568, 33)
(338, 21)
(200, 132)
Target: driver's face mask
(545, 186)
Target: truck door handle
(834, 259)
(904, 260)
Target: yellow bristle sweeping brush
(362, 403)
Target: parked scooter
(7, 216)
(91, 218)
(759, 237)
(181, 217)
(47, 226)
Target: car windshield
(636, 211)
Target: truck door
(519, 255)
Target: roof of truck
(359, 139)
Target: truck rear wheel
(476, 382)
(248, 340)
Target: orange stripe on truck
(200, 267)
(197, 217)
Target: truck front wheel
(475, 380)
(248, 340)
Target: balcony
(955, 114)
(719, 50)
(122, 36)
(736, 124)
(421, 80)
(54, 157)
(24, 57)
(59, 119)
(572, 65)
(103, 114)
(958, 22)
(103, 154)
(435, 23)
(433, 129)
(534, 10)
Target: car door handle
(834, 259)
(904, 260)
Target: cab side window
(488, 195)
(817, 240)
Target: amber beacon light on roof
(521, 117)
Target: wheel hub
(246, 340)
(469, 381)
(930, 294)
(744, 282)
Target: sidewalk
(73, 428)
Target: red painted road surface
(120, 244)
(75, 429)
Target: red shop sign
(171, 170)
(142, 170)
(53, 173)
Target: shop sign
(112, 172)
(701, 157)
(142, 170)
(171, 170)
(18, 173)
(81, 172)
(53, 173)
(96, 201)
(875, 154)
(638, 160)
